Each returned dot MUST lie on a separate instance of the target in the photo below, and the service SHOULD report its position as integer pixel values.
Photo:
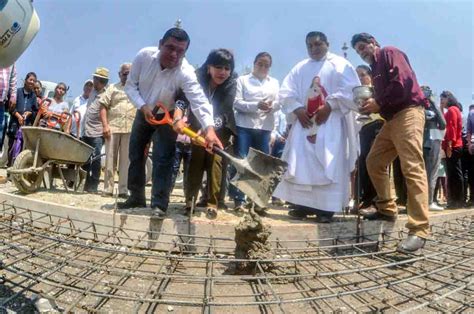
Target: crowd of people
(311, 121)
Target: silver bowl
(361, 93)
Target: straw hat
(101, 72)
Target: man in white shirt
(320, 158)
(157, 74)
(79, 107)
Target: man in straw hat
(93, 128)
(157, 74)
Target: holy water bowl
(361, 93)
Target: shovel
(257, 175)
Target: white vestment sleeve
(131, 87)
(342, 97)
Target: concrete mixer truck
(19, 24)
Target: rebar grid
(96, 268)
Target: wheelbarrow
(257, 175)
(47, 150)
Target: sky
(76, 36)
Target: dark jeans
(246, 138)
(93, 168)
(183, 153)
(364, 185)
(455, 178)
(164, 147)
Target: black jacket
(222, 101)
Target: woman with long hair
(218, 81)
(452, 145)
(255, 104)
(57, 106)
(23, 113)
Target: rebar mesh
(96, 268)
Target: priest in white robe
(321, 149)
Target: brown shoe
(3, 179)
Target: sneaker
(131, 203)
(435, 207)
(157, 212)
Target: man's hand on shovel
(212, 139)
(147, 112)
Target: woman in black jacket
(24, 111)
(218, 81)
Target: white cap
(19, 24)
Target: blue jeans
(246, 138)
(93, 168)
(164, 147)
(278, 147)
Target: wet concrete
(251, 239)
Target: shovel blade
(258, 175)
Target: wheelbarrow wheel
(27, 182)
